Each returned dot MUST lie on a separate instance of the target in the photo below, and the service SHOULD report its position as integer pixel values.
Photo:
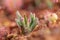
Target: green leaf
(31, 19)
(25, 20)
(34, 24)
(18, 15)
(18, 22)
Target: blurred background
(8, 8)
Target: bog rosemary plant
(26, 24)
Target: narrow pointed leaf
(18, 15)
(25, 20)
